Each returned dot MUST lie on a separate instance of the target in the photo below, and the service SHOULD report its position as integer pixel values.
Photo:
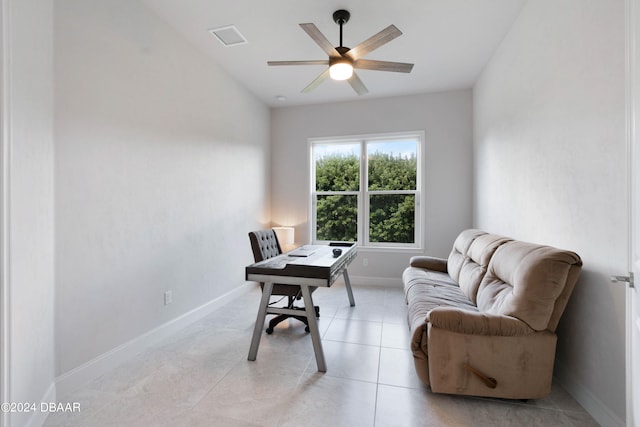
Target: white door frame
(5, 135)
(632, 82)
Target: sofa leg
(488, 381)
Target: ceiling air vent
(229, 35)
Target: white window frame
(363, 194)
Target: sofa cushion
(458, 254)
(475, 265)
(525, 280)
(427, 290)
(414, 277)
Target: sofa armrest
(429, 262)
(477, 323)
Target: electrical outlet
(365, 262)
(168, 297)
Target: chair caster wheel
(269, 331)
(306, 329)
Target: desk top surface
(306, 261)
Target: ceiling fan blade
(320, 39)
(316, 82)
(311, 62)
(374, 42)
(357, 84)
(371, 64)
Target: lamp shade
(285, 235)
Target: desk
(319, 268)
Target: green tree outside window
(391, 184)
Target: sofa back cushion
(458, 255)
(530, 282)
(476, 262)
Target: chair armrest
(429, 262)
(476, 323)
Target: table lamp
(285, 237)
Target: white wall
(550, 165)
(161, 169)
(447, 121)
(30, 278)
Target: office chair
(265, 245)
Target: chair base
(282, 317)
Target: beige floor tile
(200, 376)
(395, 336)
(350, 361)
(354, 331)
(322, 400)
(407, 407)
(396, 368)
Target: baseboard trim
(85, 373)
(592, 404)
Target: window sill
(390, 249)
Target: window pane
(337, 167)
(392, 218)
(393, 165)
(336, 218)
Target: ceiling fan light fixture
(341, 70)
(343, 60)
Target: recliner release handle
(488, 381)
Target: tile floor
(201, 376)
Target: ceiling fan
(342, 60)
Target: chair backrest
(264, 244)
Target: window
(367, 190)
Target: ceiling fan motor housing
(342, 50)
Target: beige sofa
(483, 321)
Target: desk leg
(347, 284)
(313, 328)
(262, 314)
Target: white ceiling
(449, 41)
